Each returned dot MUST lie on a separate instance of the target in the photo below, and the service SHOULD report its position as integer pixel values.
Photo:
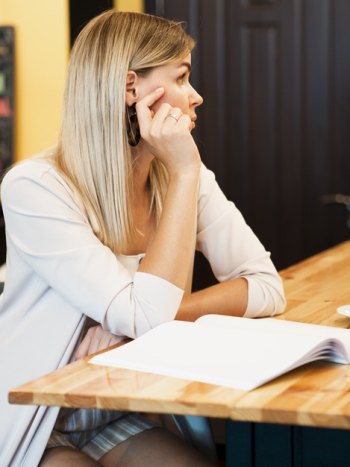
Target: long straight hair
(92, 153)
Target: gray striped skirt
(95, 432)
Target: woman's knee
(67, 457)
(152, 448)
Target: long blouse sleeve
(233, 250)
(50, 237)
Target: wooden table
(315, 395)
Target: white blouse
(57, 272)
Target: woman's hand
(168, 137)
(96, 339)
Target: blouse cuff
(257, 300)
(163, 297)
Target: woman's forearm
(227, 298)
(169, 254)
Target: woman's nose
(197, 99)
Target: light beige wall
(41, 57)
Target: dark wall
(80, 13)
(275, 77)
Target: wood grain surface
(316, 394)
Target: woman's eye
(181, 78)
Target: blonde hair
(92, 152)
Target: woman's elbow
(280, 304)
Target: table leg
(272, 445)
(258, 445)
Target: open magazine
(228, 351)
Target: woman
(105, 225)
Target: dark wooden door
(274, 127)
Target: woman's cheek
(157, 104)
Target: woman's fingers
(165, 117)
(167, 134)
(161, 116)
(144, 113)
(96, 334)
(178, 118)
(173, 116)
(148, 117)
(96, 339)
(83, 349)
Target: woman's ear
(131, 92)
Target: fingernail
(159, 90)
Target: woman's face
(178, 92)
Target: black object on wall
(6, 114)
(275, 78)
(6, 97)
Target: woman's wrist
(228, 298)
(190, 173)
